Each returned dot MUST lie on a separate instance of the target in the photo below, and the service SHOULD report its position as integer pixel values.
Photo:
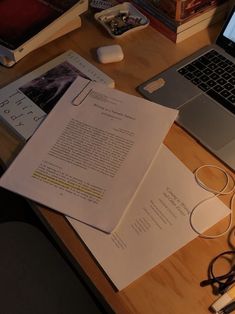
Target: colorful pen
(225, 299)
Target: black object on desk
(36, 274)
(34, 278)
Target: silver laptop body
(198, 97)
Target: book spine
(207, 13)
(177, 26)
(184, 30)
(199, 27)
(150, 9)
(158, 25)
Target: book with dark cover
(21, 20)
(28, 24)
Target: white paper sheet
(157, 223)
(88, 160)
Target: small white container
(109, 54)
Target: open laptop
(202, 87)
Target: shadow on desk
(36, 275)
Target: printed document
(90, 156)
(157, 223)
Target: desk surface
(174, 285)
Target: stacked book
(28, 24)
(178, 30)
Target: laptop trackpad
(212, 125)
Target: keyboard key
(226, 75)
(228, 86)
(223, 64)
(225, 93)
(207, 71)
(204, 60)
(204, 87)
(182, 71)
(211, 83)
(218, 88)
(198, 73)
(196, 81)
(221, 81)
(222, 57)
(212, 53)
(219, 71)
(198, 65)
(189, 76)
(216, 60)
(232, 81)
(190, 67)
(204, 78)
(212, 66)
(214, 76)
(229, 62)
(232, 99)
(229, 69)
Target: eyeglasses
(222, 282)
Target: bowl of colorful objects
(121, 19)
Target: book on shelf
(25, 102)
(176, 30)
(89, 157)
(32, 23)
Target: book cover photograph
(46, 89)
(28, 18)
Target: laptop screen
(229, 31)
(226, 38)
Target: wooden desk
(173, 286)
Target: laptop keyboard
(215, 75)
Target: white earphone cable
(223, 191)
